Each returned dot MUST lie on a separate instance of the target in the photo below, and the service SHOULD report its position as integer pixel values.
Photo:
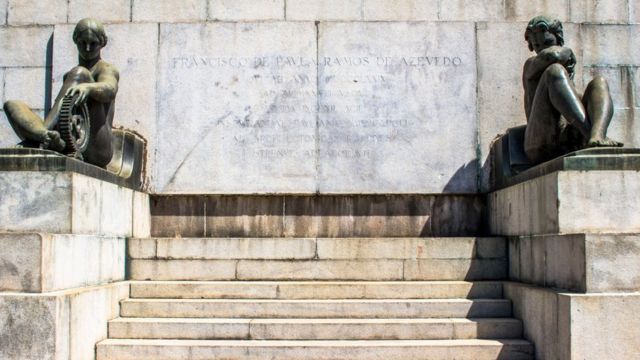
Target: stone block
(266, 73)
(248, 10)
(471, 10)
(568, 202)
(244, 216)
(50, 262)
(324, 10)
(32, 12)
(634, 11)
(26, 84)
(3, 11)
(114, 11)
(178, 216)
(375, 270)
(599, 11)
(525, 10)
(394, 120)
(136, 99)
(141, 215)
(168, 10)
(459, 269)
(610, 44)
(57, 325)
(182, 269)
(63, 202)
(24, 46)
(400, 10)
(8, 137)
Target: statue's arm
(551, 55)
(529, 86)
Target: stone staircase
(316, 298)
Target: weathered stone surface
(384, 308)
(394, 120)
(24, 46)
(599, 11)
(459, 269)
(113, 11)
(613, 44)
(568, 202)
(26, 12)
(292, 290)
(471, 10)
(182, 269)
(400, 10)
(324, 10)
(356, 350)
(246, 10)
(169, 10)
(63, 203)
(3, 11)
(524, 10)
(48, 262)
(26, 84)
(141, 215)
(57, 325)
(136, 99)
(320, 270)
(236, 248)
(253, 141)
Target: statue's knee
(13, 106)
(556, 71)
(79, 74)
(600, 82)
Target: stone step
(320, 290)
(314, 329)
(349, 308)
(318, 248)
(125, 349)
(371, 270)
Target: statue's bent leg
(565, 98)
(75, 76)
(26, 124)
(597, 100)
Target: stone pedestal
(62, 264)
(573, 251)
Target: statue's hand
(82, 90)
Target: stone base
(577, 326)
(32, 262)
(70, 203)
(63, 325)
(592, 263)
(568, 202)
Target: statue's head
(89, 37)
(543, 32)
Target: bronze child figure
(559, 118)
(93, 83)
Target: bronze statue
(79, 124)
(559, 118)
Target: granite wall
(317, 96)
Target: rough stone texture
(393, 117)
(63, 202)
(263, 71)
(524, 10)
(568, 202)
(320, 270)
(461, 269)
(136, 99)
(182, 269)
(316, 216)
(324, 10)
(3, 11)
(251, 10)
(400, 10)
(24, 46)
(47, 262)
(169, 10)
(141, 215)
(25, 12)
(471, 10)
(599, 11)
(583, 262)
(26, 84)
(57, 325)
(611, 44)
(113, 11)
(230, 248)
(386, 308)
(291, 290)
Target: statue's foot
(52, 140)
(602, 142)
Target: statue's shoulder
(105, 68)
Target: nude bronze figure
(92, 86)
(559, 118)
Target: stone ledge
(58, 325)
(32, 262)
(592, 263)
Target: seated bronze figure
(560, 119)
(79, 124)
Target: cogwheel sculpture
(74, 125)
